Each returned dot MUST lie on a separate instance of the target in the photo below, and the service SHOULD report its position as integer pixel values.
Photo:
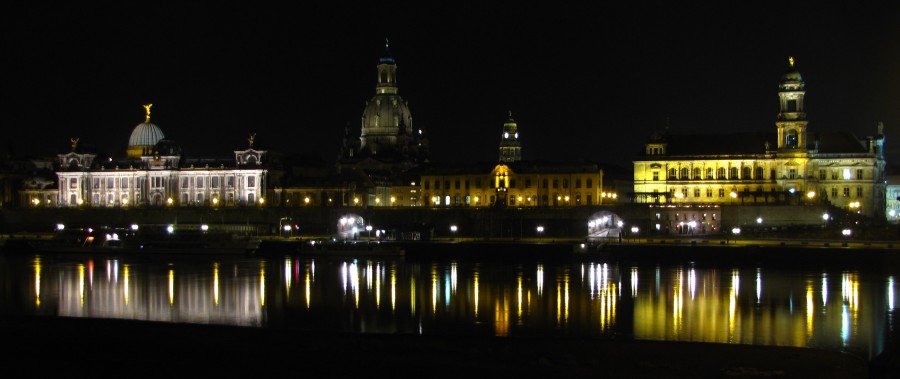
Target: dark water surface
(828, 308)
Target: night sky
(583, 82)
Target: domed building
(387, 139)
(144, 137)
(154, 173)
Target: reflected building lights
(475, 290)
(378, 286)
(453, 274)
(171, 286)
(692, 283)
(809, 310)
(393, 288)
(824, 290)
(540, 279)
(890, 293)
(634, 282)
(81, 285)
(262, 285)
(758, 285)
(412, 296)
(287, 277)
(677, 301)
(519, 298)
(566, 304)
(434, 290)
(37, 281)
(308, 285)
(368, 274)
(216, 283)
(91, 273)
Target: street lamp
(368, 233)
(453, 231)
(540, 231)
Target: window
(588, 200)
(200, 198)
(427, 184)
(467, 185)
(565, 183)
(214, 182)
(821, 174)
(772, 175)
(200, 181)
(733, 173)
(97, 185)
(833, 192)
(859, 174)
(478, 183)
(792, 173)
(555, 183)
(512, 200)
(720, 173)
(512, 183)
(790, 139)
(859, 192)
(456, 184)
(184, 182)
(696, 192)
(456, 200)
(110, 183)
(184, 198)
(590, 183)
(655, 175)
(73, 183)
(251, 182)
(759, 173)
(709, 173)
(229, 181)
(528, 183)
(846, 174)
(709, 192)
(745, 174)
(833, 174)
(125, 182)
(672, 174)
(846, 191)
(578, 183)
(578, 199)
(721, 192)
(685, 175)
(696, 173)
(447, 185)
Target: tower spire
(510, 148)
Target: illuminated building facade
(510, 148)
(788, 166)
(160, 176)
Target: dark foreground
(42, 347)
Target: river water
(829, 308)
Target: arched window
(759, 174)
(709, 173)
(733, 173)
(685, 173)
(745, 174)
(672, 173)
(384, 77)
(790, 139)
(696, 175)
(720, 173)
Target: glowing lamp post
(540, 231)
(368, 233)
(453, 229)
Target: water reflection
(682, 302)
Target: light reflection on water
(738, 305)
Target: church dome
(792, 74)
(145, 134)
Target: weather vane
(74, 143)
(147, 108)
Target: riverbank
(42, 346)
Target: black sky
(583, 82)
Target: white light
(369, 228)
(620, 223)
(505, 134)
(792, 190)
(453, 228)
(892, 213)
(759, 220)
(170, 229)
(540, 229)
(60, 226)
(134, 227)
(692, 224)
(517, 135)
(736, 230)
(846, 232)
(204, 227)
(825, 217)
(286, 228)
(846, 173)
(634, 229)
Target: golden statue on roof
(791, 61)
(251, 139)
(74, 141)
(147, 108)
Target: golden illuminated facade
(790, 166)
(517, 184)
(510, 148)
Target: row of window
(747, 173)
(457, 184)
(721, 192)
(544, 200)
(157, 182)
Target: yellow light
(262, 201)
(476, 199)
(567, 198)
(615, 196)
(147, 108)
(811, 194)
(355, 200)
(733, 195)
(306, 200)
(169, 201)
(79, 202)
(603, 194)
(124, 200)
(559, 198)
(791, 61)
(215, 200)
(393, 199)
(377, 200)
(520, 198)
(35, 201)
